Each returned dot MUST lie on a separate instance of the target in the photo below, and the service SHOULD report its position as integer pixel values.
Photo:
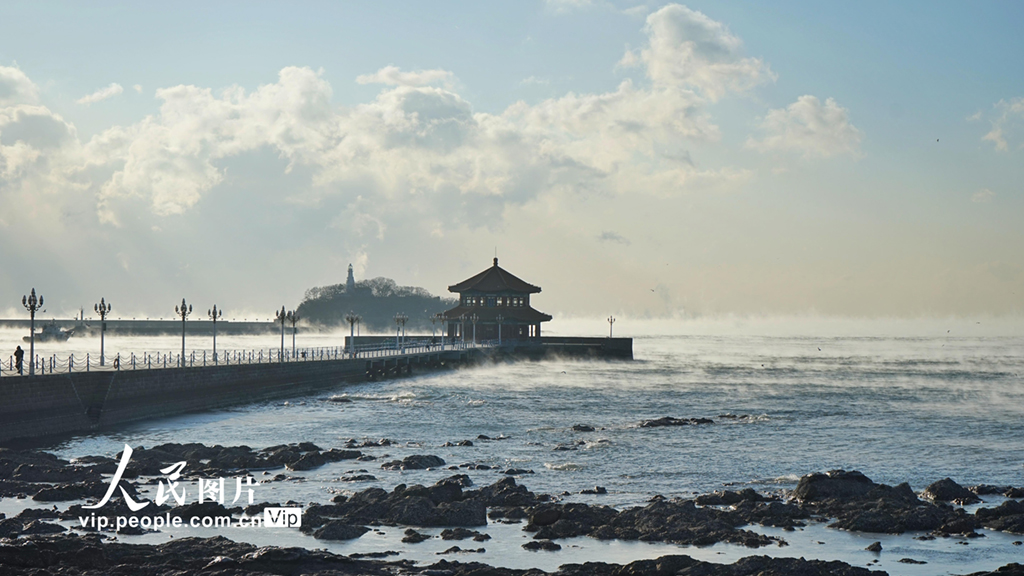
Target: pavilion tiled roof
(524, 314)
(495, 279)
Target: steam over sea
(901, 402)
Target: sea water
(900, 406)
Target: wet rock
(594, 490)
(459, 443)
(946, 490)
(1007, 517)
(582, 428)
(307, 461)
(1014, 493)
(359, 478)
(414, 462)
(517, 472)
(680, 522)
(29, 514)
(462, 534)
(987, 489)
(727, 497)
(859, 504)
(457, 550)
(910, 561)
(461, 480)
(546, 545)
(833, 484)
(874, 547)
(670, 421)
(414, 537)
(338, 530)
(545, 515)
(506, 493)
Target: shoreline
(837, 500)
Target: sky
(658, 161)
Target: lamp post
(441, 318)
(473, 318)
(32, 304)
(611, 320)
(293, 318)
(499, 318)
(281, 317)
(215, 315)
(352, 318)
(400, 320)
(184, 311)
(102, 309)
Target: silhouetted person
(19, 356)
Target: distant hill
(376, 300)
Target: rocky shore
(32, 542)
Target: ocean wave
(564, 466)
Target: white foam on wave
(564, 466)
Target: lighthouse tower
(350, 284)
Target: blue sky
(787, 157)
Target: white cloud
(102, 94)
(138, 88)
(16, 88)
(533, 80)
(1009, 124)
(811, 128)
(687, 49)
(983, 195)
(393, 76)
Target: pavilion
(495, 299)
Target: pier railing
(59, 364)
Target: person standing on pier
(19, 356)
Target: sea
(900, 400)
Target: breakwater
(63, 403)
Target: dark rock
(459, 443)
(547, 545)
(462, 534)
(1007, 517)
(670, 421)
(40, 527)
(414, 462)
(461, 480)
(517, 472)
(307, 461)
(582, 428)
(594, 490)
(946, 490)
(338, 530)
(1014, 493)
(833, 484)
(986, 489)
(414, 537)
(457, 550)
(727, 497)
(910, 561)
(359, 478)
(874, 547)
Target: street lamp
(293, 318)
(32, 304)
(499, 318)
(611, 320)
(281, 317)
(473, 318)
(102, 309)
(352, 318)
(215, 315)
(440, 318)
(184, 311)
(400, 320)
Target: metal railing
(54, 364)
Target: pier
(76, 395)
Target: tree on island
(376, 300)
